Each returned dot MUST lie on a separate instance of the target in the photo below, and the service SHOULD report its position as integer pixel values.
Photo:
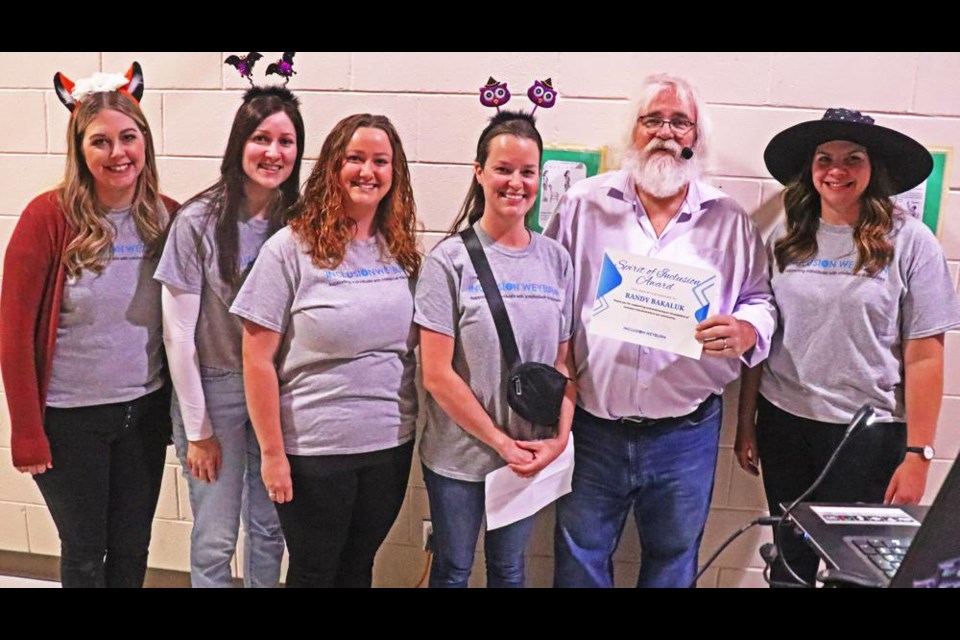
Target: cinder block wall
(432, 98)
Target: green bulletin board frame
(936, 189)
(594, 161)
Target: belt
(641, 421)
(648, 422)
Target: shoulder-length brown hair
(92, 247)
(870, 234)
(319, 219)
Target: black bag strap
(492, 293)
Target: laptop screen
(933, 560)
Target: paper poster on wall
(561, 169)
(925, 201)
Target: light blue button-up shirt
(616, 379)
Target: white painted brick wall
(599, 75)
(937, 89)
(432, 99)
(13, 527)
(41, 532)
(25, 177)
(432, 72)
(950, 226)
(864, 81)
(448, 127)
(934, 132)
(19, 132)
(167, 70)
(440, 189)
(181, 178)
(741, 133)
(196, 123)
(746, 192)
(725, 77)
(34, 70)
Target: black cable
(779, 526)
(727, 543)
(863, 418)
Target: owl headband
(73, 93)
(496, 94)
(244, 65)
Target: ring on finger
(725, 344)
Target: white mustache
(669, 145)
(661, 175)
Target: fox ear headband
(73, 93)
(496, 94)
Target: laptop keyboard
(885, 553)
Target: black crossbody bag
(534, 390)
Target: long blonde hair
(92, 247)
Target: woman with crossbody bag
(472, 428)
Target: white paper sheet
(511, 498)
(652, 302)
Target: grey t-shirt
(537, 289)
(346, 362)
(190, 262)
(109, 337)
(840, 339)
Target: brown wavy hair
(319, 219)
(92, 248)
(870, 234)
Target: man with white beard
(648, 421)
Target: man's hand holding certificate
(662, 304)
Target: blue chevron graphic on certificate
(652, 302)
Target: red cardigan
(33, 279)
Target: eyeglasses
(680, 126)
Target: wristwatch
(926, 451)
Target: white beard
(661, 175)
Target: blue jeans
(663, 471)
(457, 508)
(237, 495)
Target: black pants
(103, 488)
(342, 509)
(793, 452)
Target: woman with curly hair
(328, 355)
(865, 298)
(82, 346)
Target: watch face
(925, 452)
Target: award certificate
(652, 302)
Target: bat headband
(73, 93)
(496, 94)
(244, 65)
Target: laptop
(898, 546)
